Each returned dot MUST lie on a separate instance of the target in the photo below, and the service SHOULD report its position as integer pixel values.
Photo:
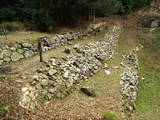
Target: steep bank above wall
(57, 78)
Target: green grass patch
(148, 103)
(107, 115)
(4, 110)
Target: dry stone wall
(57, 78)
(129, 83)
(23, 50)
(16, 52)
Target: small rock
(90, 91)
(70, 43)
(5, 69)
(106, 66)
(53, 61)
(26, 45)
(24, 77)
(28, 53)
(7, 59)
(107, 72)
(44, 82)
(77, 46)
(16, 56)
(155, 23)
(13, 49)
(67, 50)
(6, 53)
(116, 67)
(52, 72)
(66, 74)
(1, 61)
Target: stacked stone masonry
(26, 49)
(58, 77)
(129, 83)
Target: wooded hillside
(46, 14)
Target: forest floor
(78, 106)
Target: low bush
(4, 110)
(107, 115)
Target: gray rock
(18, 46)
(28, 53)
(16, 56)
(26, 45)
(69, 36)
(7, 59)
(13, 49)
(5, 69)
(20, 51)
(53, 61)
(1, 55)
(67, 50)
(5, 53)
(90, 91)
(1, 61)
(77, 46)
(52, 72)
(155, 23)
(66, 74)
(44, 82)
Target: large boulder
(90, 91)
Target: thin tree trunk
(4, 31)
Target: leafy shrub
(7, 13)
(108, 7)
(4, 110)
(107, 115)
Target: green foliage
(4, 110)
(107, 115)
(7, 13)
(11, 26)
(45, 14)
